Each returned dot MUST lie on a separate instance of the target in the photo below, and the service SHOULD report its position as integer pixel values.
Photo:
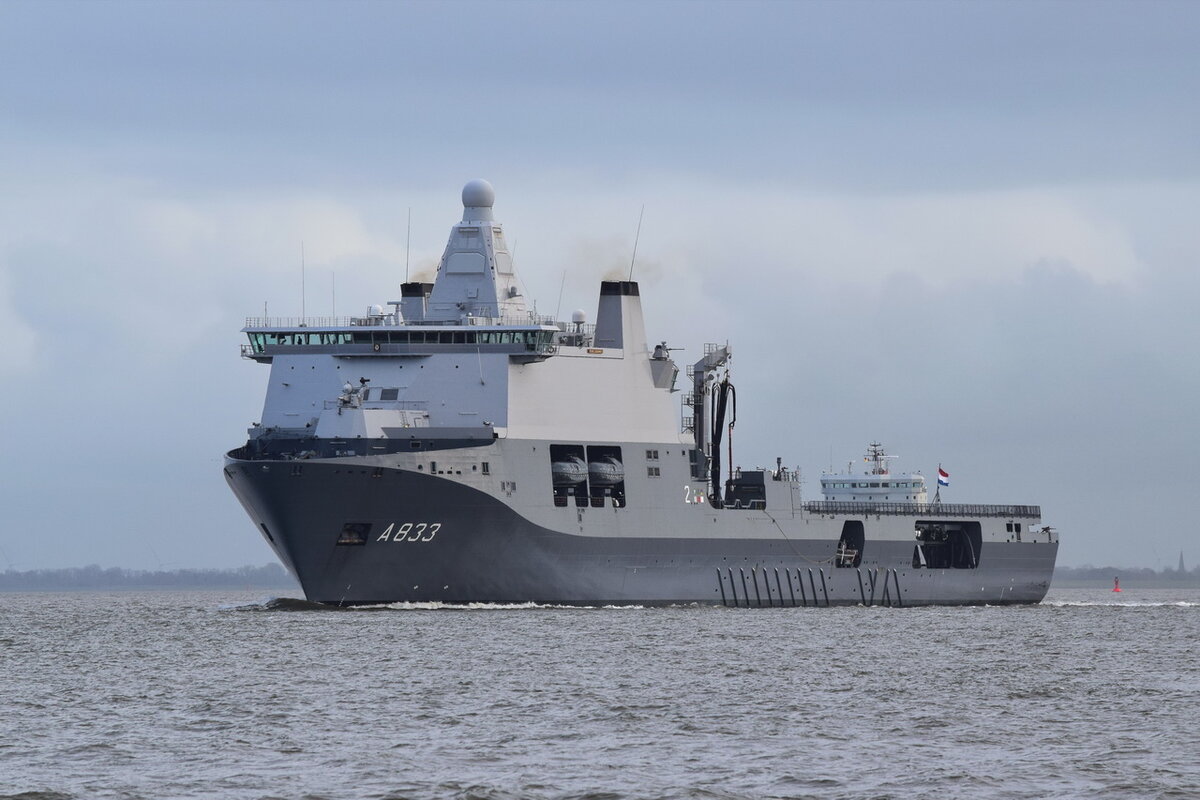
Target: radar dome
(579, 316)
(478, 194)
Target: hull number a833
(410, 532)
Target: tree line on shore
(1130, 575)
(268, 576)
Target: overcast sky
(968, 230)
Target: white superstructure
(876, 484)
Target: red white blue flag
(943, 477)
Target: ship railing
(300, 322)
(401, 405)
(931, 509)
(515, 321)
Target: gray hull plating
(424, 539)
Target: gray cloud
(963, 229)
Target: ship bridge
(523, 339)
(459, 362)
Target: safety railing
(931, 509)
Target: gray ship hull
(418, 538)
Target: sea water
(217, 694)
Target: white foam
(1120, 603)
(440, 606)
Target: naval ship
(456, 447)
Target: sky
(967, 230)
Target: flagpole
(937, 495)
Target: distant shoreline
(273, 576)
(92, 577)
(1131, 577)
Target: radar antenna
(636, 237)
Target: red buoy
(1116, 584)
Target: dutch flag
(943, 477)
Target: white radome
(478, 194)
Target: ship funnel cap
(478, 197)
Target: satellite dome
(579, 316)
(478, 194)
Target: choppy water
(156, 695)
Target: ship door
(850, 546)
(606, 476)
(947, 544)
(569, 474)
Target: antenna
(636, 236)
(513, 255)
(407, 244)
(561, 285)
(302, 293)
(333, 295)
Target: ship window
(415, 445)
(653, 472)
(1017, 527)
(652, 455)
(875, 485)
(389, 395)
(1008, 527)
(354, 533)
(886, 484)
(485, 467)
